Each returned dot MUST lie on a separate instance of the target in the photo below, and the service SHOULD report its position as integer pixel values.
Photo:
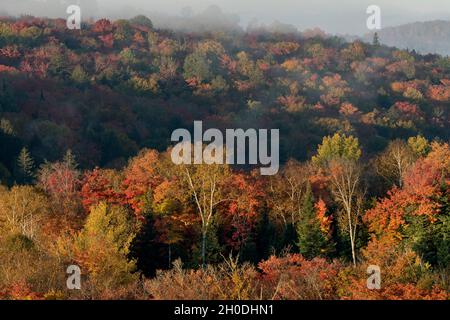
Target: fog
(333, 16)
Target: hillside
(89, 187)
(64, 89)
(424, 37)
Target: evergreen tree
(70, 160)
(376, 39)
(25, 164)
(312, 242)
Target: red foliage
(20, 291)
(409, 109)
(422, 184)
(102, 26)
(10, 52)
(98, 187)
(294, 277)
(60, 181)
(240, 212)
(7, 69)
(141, 177)
(108, 40)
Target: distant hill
(424, 37)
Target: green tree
(142, 21)
(197, 66)
(337, 146)
(376, 39)
(312, 242)
(419, 145)
(79, 75)
(103, 246)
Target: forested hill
(424, 37)
(113, 88)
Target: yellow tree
(21, 209)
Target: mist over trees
(86, 176)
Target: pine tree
(312, 242)
(25, 164)
(376, 40)
(70, 160)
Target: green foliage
(197, 66)
(376, 40)
(109, 92)
(337, 146)
(104, 245)
(79, 76)
(312, 241)
(127, 56)
(419, 145)
(142, 21)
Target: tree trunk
(352, 240)
(170, 256)
(204, 249)
(353, 251)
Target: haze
(336, 17)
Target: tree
(25, 163)
(239, 215)
(103, 245)
(419, 145)
(142, 20)
(346, 188)
(21, 210)
(394, 161)
(79, 76)
(376, 40)
(337, 146)
(197, 66)
(294, 277)
(205, 183)
(69, 160)
(313, 234)
(101, 185)
(6, 127)
(285, 192)
(61, 181)
(141, 177)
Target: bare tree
(286, 191)
(394, 161)
(346, 188)
(205, 184)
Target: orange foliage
(141, 177)
(294, 277)
(324, 219)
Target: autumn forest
(86, 177)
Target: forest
(86, 177)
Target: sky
(333, 16)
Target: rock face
(424, 37)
